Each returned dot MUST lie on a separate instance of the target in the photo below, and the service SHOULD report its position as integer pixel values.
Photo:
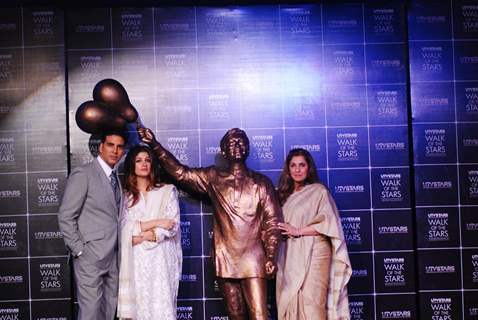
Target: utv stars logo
(6, 68)
(348, 146)
(184, 313)
(218, 107)
(7, 151)
(8, 236)
(263, 148)
(432, 59)
(441, 308)
(179, 147)
(391, 187)
(435, 143)
(474, 266)
(438, 227)
(387, 101)
(471, 100)
(394, 271)
(357, 310)
(299, 21)
(48, 192)
(351, 227)
(473, 184)
(132, 27)
(9, 314)
(383, 21)
(50, 275)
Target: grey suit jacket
(88, 216)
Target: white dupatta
(154, 208)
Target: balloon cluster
(110, 109)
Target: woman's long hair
(286, 183)
(130, 179)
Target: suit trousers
(97, 287)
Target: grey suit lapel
(104, 180)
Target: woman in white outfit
(150, 246)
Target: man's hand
(147, 136)
(271, 268)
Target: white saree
(314, 206)
(150, 272)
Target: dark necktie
(115, 187)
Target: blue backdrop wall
(383, 94)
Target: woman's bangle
(154, 235)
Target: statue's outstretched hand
(147, 136)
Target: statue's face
(236, 148)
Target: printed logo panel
(389, 146)
(191, 282)
(390, 188)
(393, 230)
(432, 102)
(362, 273)
(11, 33)
(439, 269)
(133, 27)
(436, 187)
(438, 227)
(384, 22)
(13, 237)
(431, 61)
(444, 305)
(343, 24)
(350, 188)
(347, 147)
(50, 278)
(89, 28)
(45, 236)
(401, 306)
(394, 272)
(357, 229)
(434, 143)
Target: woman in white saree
(150, 246)
(313, 264)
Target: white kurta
(150, 272)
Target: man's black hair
(122, 134)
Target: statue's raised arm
(196, 179)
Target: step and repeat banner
(35, 278)
(443, 42)
(330, 79)
(335, 79)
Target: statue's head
(235, 145)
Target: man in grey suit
(89, 218)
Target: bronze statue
(246, 214)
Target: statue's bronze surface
(246, 213)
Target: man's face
(236, 148)
(112, 149)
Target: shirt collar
(106, 168)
